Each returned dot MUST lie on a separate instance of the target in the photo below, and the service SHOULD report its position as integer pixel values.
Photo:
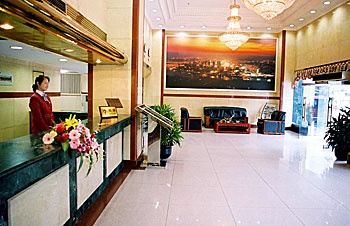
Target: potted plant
(168, 137)
(338, 134)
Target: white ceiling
(193, 15)
(32, 54)
(211, 15)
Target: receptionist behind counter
(40, 106)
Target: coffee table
(225, 127)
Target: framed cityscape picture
(195, 62)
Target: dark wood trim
(90, 90)
(221, 96)
(134, 77)
(25, 94)
(162, 69)
(283, 59)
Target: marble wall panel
(114, 147)
(47, 197)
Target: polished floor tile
(237, 179)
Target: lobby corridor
(237, 180)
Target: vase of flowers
(71, 133)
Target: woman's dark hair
(39, 80)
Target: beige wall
(325, 40)
(115, 80)
(14, 112)
(152, 81)
(289, 77)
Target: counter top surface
(22, 151)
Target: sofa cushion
(216, 113)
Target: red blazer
(41, 116)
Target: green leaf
(81, 161)
(90, 165)
(65, 145)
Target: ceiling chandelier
(234, 37)
(268, 8)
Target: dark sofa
(213, 114)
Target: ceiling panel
(209, 15)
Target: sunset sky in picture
(211, 46)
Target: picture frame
(108, 112)
(6, 79)
(205, 63)
(114, 102)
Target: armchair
(190, 124)
(275, 125)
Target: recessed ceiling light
(312, 11)
(182, 34)
(326, 2)
(63, 60)
(150, 0)
(16, 47)
(291, 25)
(98, 61)
(160, 25)
(69, 50)
(154, 10)
(301, 19)
(268, 28)
(248, 28)
(6, 26)
(64, 71)
(204, 26)
(158, 18)
(182, 26)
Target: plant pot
(341, 153)
(165, 152)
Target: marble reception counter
(41, 186)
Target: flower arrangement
(227, 120)
(72, 133)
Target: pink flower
(87, 133)
(94, 145)
(48, 139)
(74, 144)
(74, 134)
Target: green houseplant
(338, 134)
(168, 137)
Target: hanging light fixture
(268, 8)
(234, 37)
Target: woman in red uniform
(41, 106)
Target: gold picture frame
(108, 112)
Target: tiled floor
(237, 179)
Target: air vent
(78, 17)
(60, 5)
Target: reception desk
(42, 186)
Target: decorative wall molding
(309, 73)
(25, 94)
